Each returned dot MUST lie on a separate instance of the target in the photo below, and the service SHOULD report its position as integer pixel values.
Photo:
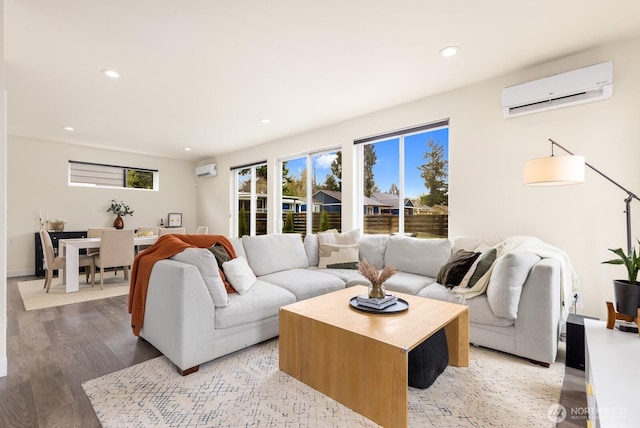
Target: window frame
(309, 156)
(253, 197)
(401, 135)
(95, 168)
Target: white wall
(487, 153)
(37, 181)
(3, 206)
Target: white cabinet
(612, 374)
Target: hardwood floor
(52, 351)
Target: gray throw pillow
(486, 260)
(220, 254)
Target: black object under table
(428, 360)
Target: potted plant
(627, 291)
(120, 209)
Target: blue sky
(386, 170)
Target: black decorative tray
(400, 306)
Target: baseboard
(21, 272)
(3, 367)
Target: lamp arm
(627, 200)
(628, 192)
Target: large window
(250, 202)
(312, 192)
(405, 181)
(102, 175)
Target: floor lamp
(561, 170)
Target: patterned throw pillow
(331, 254)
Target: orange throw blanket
(166, 246)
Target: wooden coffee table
(361, 359)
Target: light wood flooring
(52, 351)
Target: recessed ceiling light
(69, 128)
(265, 120)
(111, 73)
(449, 51)
(187, 149)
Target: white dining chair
(116, 250)
(51, 262)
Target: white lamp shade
(554, 171)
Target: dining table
(70, 248)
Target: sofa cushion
(455, 269)
(238, 247)
(262, 301)
(505, 285)
(208, 267)
(344, 274)
(415, 255)
(403, 282)
(239, 274)
(440, 292)
(312, 248)
(480, 313)
(334, 254)
(372, 249)
(305, 283)
(475, 243)
(479, 310)
(274, 253)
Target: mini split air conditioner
(209, 170)
(580, 86)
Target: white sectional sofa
(520, 313)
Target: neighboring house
(379, 203)
(244, 201)
(327, 200)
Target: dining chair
(202, 230)
(51, 262)
(172, 231)
(116, 250)
(95, 232)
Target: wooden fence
(425, 226)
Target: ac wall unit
(209, 170)
(580, 86)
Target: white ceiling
(202, 73)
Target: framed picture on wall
(175, 220)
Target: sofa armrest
(539, 313)
(179, 316)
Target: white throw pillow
(239, 274)
(331, 254)
(206, 263)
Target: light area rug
(34, 295)
(247, 389)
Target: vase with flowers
(120, 209)
(376, 278)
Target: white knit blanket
(569, 281)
